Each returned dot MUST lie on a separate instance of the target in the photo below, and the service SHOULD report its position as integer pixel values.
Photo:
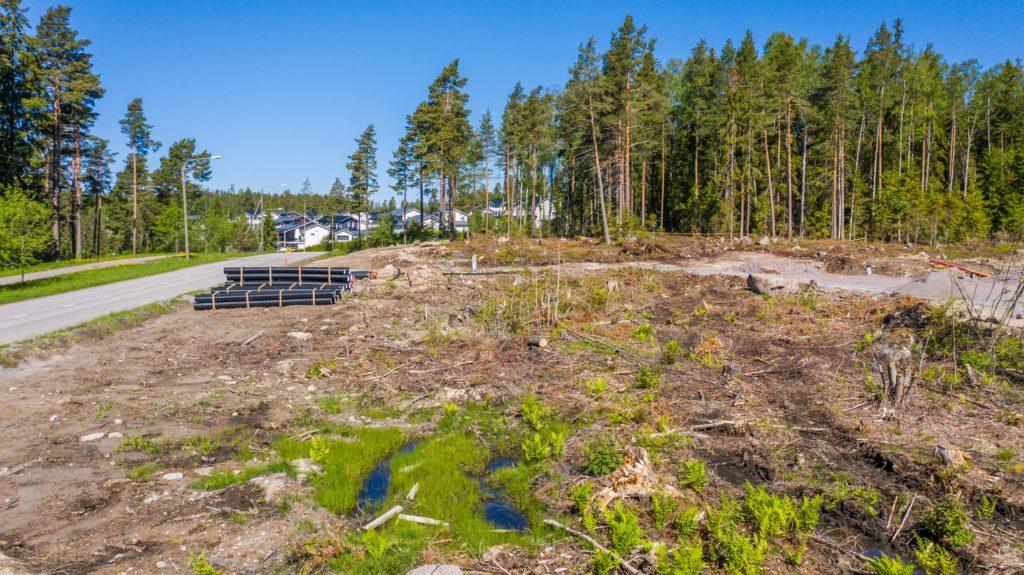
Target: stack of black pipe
(279, 287)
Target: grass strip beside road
(95, 277)
(46, 266)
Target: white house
(432, 221)
(301, 235)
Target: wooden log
(412, 492)
(622, 562)
(536, 341)
(383, 518)
(422, 520)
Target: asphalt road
(33, 317)
(79, 268)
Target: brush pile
(280, 286)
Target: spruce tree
(362, 181)
(16, 87)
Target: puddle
(499, 510)
(375, 486)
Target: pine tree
(63, 69)
(16, 87)
(98, 160)
(403, 170)
(137, 131)
(362, 180)
(488, 139)
(444, 134)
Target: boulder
(950, 456)
(274, 486)
(284, 367)
(764, 241)
(92, 437)
(300, 335)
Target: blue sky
(281, 89)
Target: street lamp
(262, 210)
(184, 196)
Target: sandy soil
(788, 371)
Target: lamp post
(184, 196)
(263, 210)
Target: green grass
(45, 266)
(222, 479)
(348, 460)
(90, 278)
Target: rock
(284, 367)
(502, 239)
(151, 499)
(612, 285)
(162, 564)
(92, 437)
(764, 241)
(389, 272)
(274, 486)
(950, 456)
(203, 471)
(746, 241)
(9, 566)
(756, 285)
(306, 466)
(300, 335)
(434, 569)
(115, 435)
(118, 422)
(173, 476)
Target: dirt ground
(776, 390)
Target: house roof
(302, 226)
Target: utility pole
(184, 195)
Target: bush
(889, 565)
(624, 530)
(602, 455)
(693, 475)
(738, 554)
(580, 495)
(772, 514)
(603, 563)
(686, 522)
(319, 449)
(200, 566)
(671, 352)
(647, 377)
(686, 559)
(662, 507)
(534, 414)
(536, 448)
(947, 522)
(934, 560)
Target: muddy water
(499, 510)
(375, 486)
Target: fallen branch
(625, 564)
(717, 424)
(422, 520)
(906, 515)
(829, 543)
(383, 518)
(254, 337)
(412, 492)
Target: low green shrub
(694, 475)
(624, 530)
(947, 522)
(889, 565)
(602, 455)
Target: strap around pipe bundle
(247, 298)
(213, 300)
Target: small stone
(311, 388)
(115, 435)
(152, 499)
(764, 241)
(118, 422)
(300, 335)
(162, 564)
(173, 476)
(306, 466)
(950, 456)
(203, 471)
(284, 367)
(273, 485)
(225, 377)
(53, 418)
(91, 437)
